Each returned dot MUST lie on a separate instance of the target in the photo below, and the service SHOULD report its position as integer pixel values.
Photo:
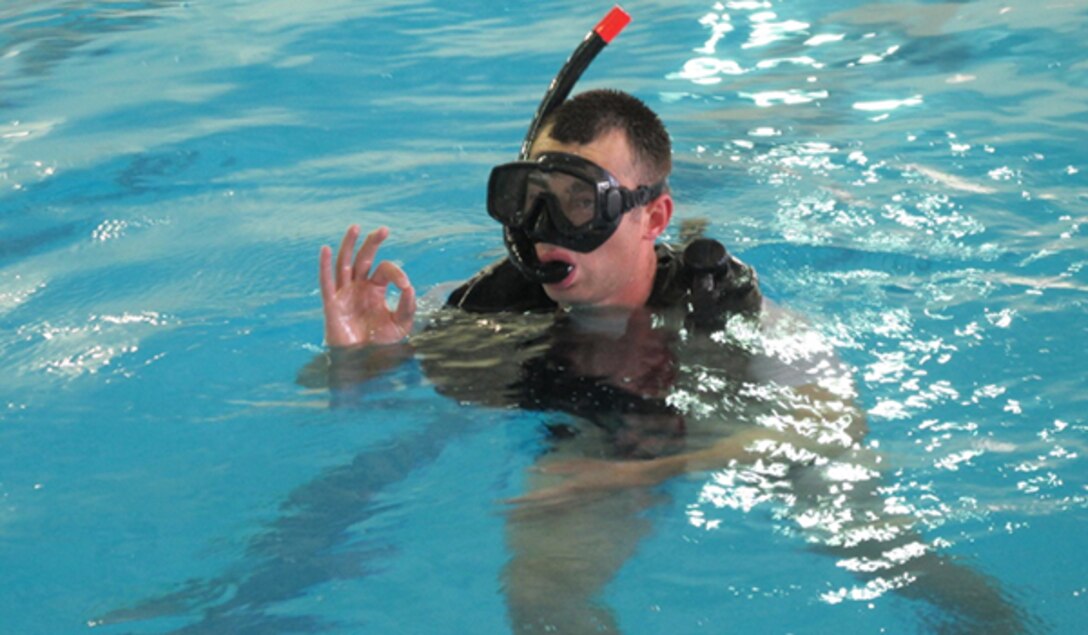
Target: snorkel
(522, 253)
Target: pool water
(909, 176)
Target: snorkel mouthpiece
(518, 243)
(524, 257)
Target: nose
(538, 223)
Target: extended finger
(531, 497)
(366, 254)
(324, 275)
(343, 257)
(541, 499)
(551, 498)
(569, 466)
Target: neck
(642, 274)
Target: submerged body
(650, 373)
(629, 398)
(655, 385)
(632, 398)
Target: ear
(657, 214)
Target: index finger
(551, 498)
(389, 273)
(365, 258)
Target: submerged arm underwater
(809, 448)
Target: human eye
(533, 188)
(581, 204)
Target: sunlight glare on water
(907, 176)
(939, 243)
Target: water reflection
(924, 207)
(763, 406)
(941, 247)
(38, 39)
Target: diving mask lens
(577, 188)
(562, 199)
(575, 198)
(516, 189)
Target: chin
(564, 295)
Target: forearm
(739, 448)
(745, 447)
(348, 367)
(343, 371)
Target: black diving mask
(543, 217)
(563, 200)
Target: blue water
(911, 177)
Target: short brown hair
(593, 113)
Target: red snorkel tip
(612, 24)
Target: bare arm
(820, 424)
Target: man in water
(617, 138)
(648, 362)
(581, 221)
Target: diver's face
(611, 274)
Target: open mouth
(558, 256)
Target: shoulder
(670, 288)
(500, 287)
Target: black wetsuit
(500, 287)
(538, 371)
